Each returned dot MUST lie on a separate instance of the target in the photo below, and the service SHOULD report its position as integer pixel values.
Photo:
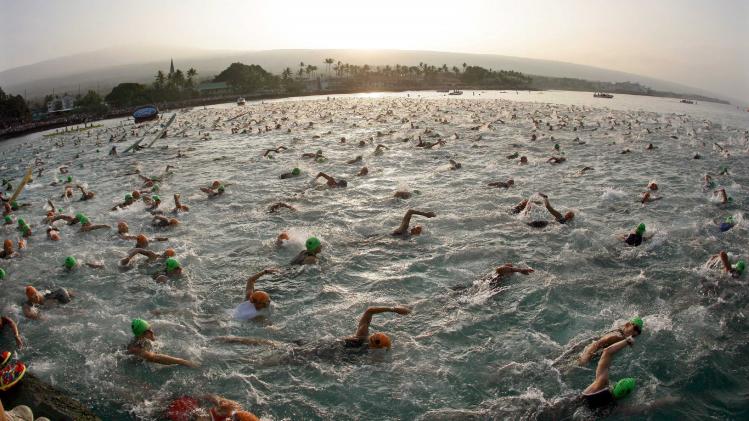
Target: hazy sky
(699, 43)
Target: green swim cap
(172, 264)
(556, 146)
(740, 266)
(70, 262)
(221, 188)
(623, 387)
(637, 321)
(296, 171)
(8, 219)
(319, 152)
(156, 198)
(139, 326)
(729, 219)
(640, 229)
(155, 188)
(70, 179)
(25, 229)
(14, 205)
(21, 222)
(128, 197)
(312, 244)
(2, 273)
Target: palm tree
(329, 61)
(464, 67)
(160, 80)
(286, 75)
(300, 72)
(191, 73)
(338, 68)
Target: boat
(456, 92)
(145, 113)
(241, 101)
(686, 101)
(602, 95)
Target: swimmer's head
(8, 246)
(70, 179)
(510, 182)
(8, 219)
(14, 205)
(640, 229)
(416, 230)
(730, 220)
(296, 171)
(379, 341)
(740, 267)
(71, 262)
(313, 244)
(136, 194)
(122, 227)
(556, 146)
(21, 222)
(128, 198)
(215, 184)
(260, 299)
(81, 218)
(156, 198)
(319, 152)
(155, 188)
(569, 215)
(33, 295)
(172, 264)
(342, 183)
(244, 416)
(623, 387)
(169, 252)
(633, 327)
(221, 188)
(173, 221)
(140, 327)
(141, 241)
(2, 273)
(524, 159)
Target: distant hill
(106, 68)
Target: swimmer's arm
(407, 220)
(551, 210)
(245, 341)
(159, 238)
(250, 284)
(325, 176)
(14, 329)
(362, 330)
(30, 312)
(94, 227)
(94, 265)
(162, 358)
(724, 260)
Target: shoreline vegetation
(179, 89)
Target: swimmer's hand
(401, 310)
(630, 340)
(268, 271)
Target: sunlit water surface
(478, 354)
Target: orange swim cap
(31, 292)
(379, 340)
(8, 244)
(260, 297)
(141, 241)
(244, 416)
(169, 252)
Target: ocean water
(480, 353)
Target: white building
(60, 104)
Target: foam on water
(477, 353)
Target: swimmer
(402, 194)
(500, 273)
(708, 182)
(86, 224)
(277, 150)
(647, 198)
(148, 253)
(631, 328)
(525, 205)
(735, 270)
(403, 230)
(85, 194)
(255, 301)
(277, 206)
(284, 236)
(68, 193)
(154, 204)
(523, 160)
(727, 224)
(600, 393)
(296, 172)
(36, 299)
(331, 182)
(142, 346)
(724, 198)
(178, 206)
(635, 237)
(189, 408)
(379, 149)
(162, 221)
(173, 269)
(308, 256)
(556, 160)
(8, 220)
(8, 251)
(214, 191)
(455, 165)
(652, 186)
(7, 321)
(362, 338)
(356, 160)
(53, 233)
(129, 200)
(72, 263)
(362, 172)
(503, 184)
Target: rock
(46, 401)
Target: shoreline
(75, 120)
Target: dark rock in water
(697, 156)
(46, 401)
